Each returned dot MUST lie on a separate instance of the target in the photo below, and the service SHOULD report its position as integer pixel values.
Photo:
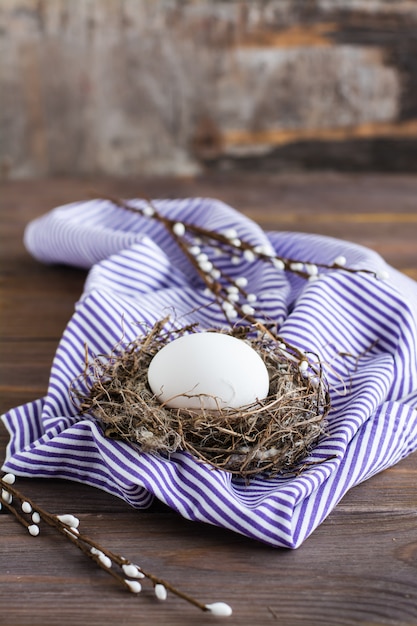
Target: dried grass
(267, 437)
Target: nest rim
(270, 436)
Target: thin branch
(127, 573)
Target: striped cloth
(364, 330)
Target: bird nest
(267, 437)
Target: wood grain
(358, 567)
(126, 87)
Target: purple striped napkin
(139, 275)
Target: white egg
(208, 370)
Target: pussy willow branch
(216, 288)
(103, 557)
(289, 264)
(233, 244)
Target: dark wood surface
(358, 567)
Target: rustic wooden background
(133, 87)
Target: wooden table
(358, 567)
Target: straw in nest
(270, 436)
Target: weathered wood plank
(129, 87)
(358, 569)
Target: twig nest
(266, 435)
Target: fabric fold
(363, 329)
